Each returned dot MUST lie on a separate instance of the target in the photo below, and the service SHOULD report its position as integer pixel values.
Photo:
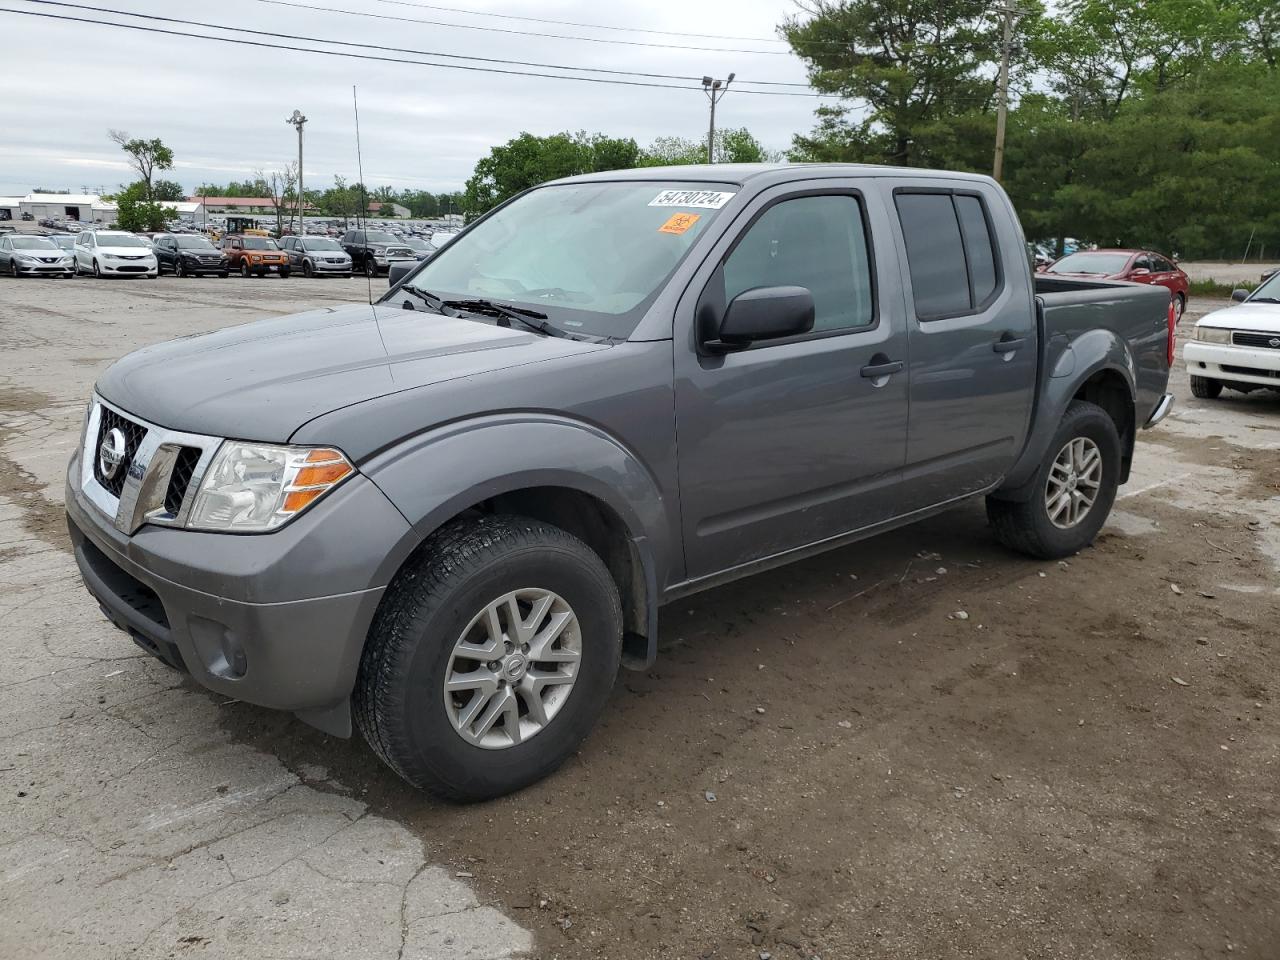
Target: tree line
(1146, 123)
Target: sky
(222, 108)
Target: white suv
(114, 253)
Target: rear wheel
(490, 659)
(1073, 490)
(1206, 388)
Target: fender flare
(437, 475)
(1093, 352)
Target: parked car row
(109, 253)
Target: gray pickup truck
(449, 516)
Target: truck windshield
(591, 256)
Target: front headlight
(254, 487)
(1212, 334)
(23, 258)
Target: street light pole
(715, 90)
(298, 120)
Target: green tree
(913, 66)
(529, 160)
(733, 145)
(168, 190)
(135, 210)
(145, 156)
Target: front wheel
(244, 269)
(97, 270)
(1206, 388)
(13, 268)
(1073, 490)
(1179, 307)
(370, 268)
(307, 270)
(490, 658)
(284, 273)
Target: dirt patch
(808, 774)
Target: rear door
(972, 333)
(792, 441)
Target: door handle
(873, 371)
(1008, 344)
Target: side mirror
(1239, 295)
(764, 313)
(398, 271)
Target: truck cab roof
(766, 174)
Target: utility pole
(299, 121)
(1002, 94)
(715, 90)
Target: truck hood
(1259, 317)
(264, 380)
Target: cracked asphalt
(1083, 766)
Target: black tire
(399, 699)
(1206, 388)
(1025, 526)
(307, 270)
(244, 269)
(370, 267)
(97, 270)
(284, 273)
(1179, 308)
(13, 269)
(180, 269)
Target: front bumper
(278, 619)
(205, 266)
(45, 269)
(128, 268)
(1222, 361)
(323, 266)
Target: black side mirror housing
(1239, 294)
(763, 313)
(398, 271)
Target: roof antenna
(364, 213)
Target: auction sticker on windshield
(707, 199)
(679, 223)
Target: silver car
(317, 256)
(34, 256)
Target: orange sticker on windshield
(679, 223)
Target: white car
(114, 253)
(1239, 346)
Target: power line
(389, 49)
(577, 23)
(526, 33)
(364, 56)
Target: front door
(793, 441)
(973, 340)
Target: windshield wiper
(430, 299)
(529, 318)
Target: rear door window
(952, 256)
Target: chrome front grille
(158, 477)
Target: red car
(1137, 266)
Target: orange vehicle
(254, 256)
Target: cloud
(222, 108)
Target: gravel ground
(825, 761)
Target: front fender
(1079, 360)
(439, 474)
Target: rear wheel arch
(1110, 390)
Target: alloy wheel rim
(1074, 481)
(513, 668)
